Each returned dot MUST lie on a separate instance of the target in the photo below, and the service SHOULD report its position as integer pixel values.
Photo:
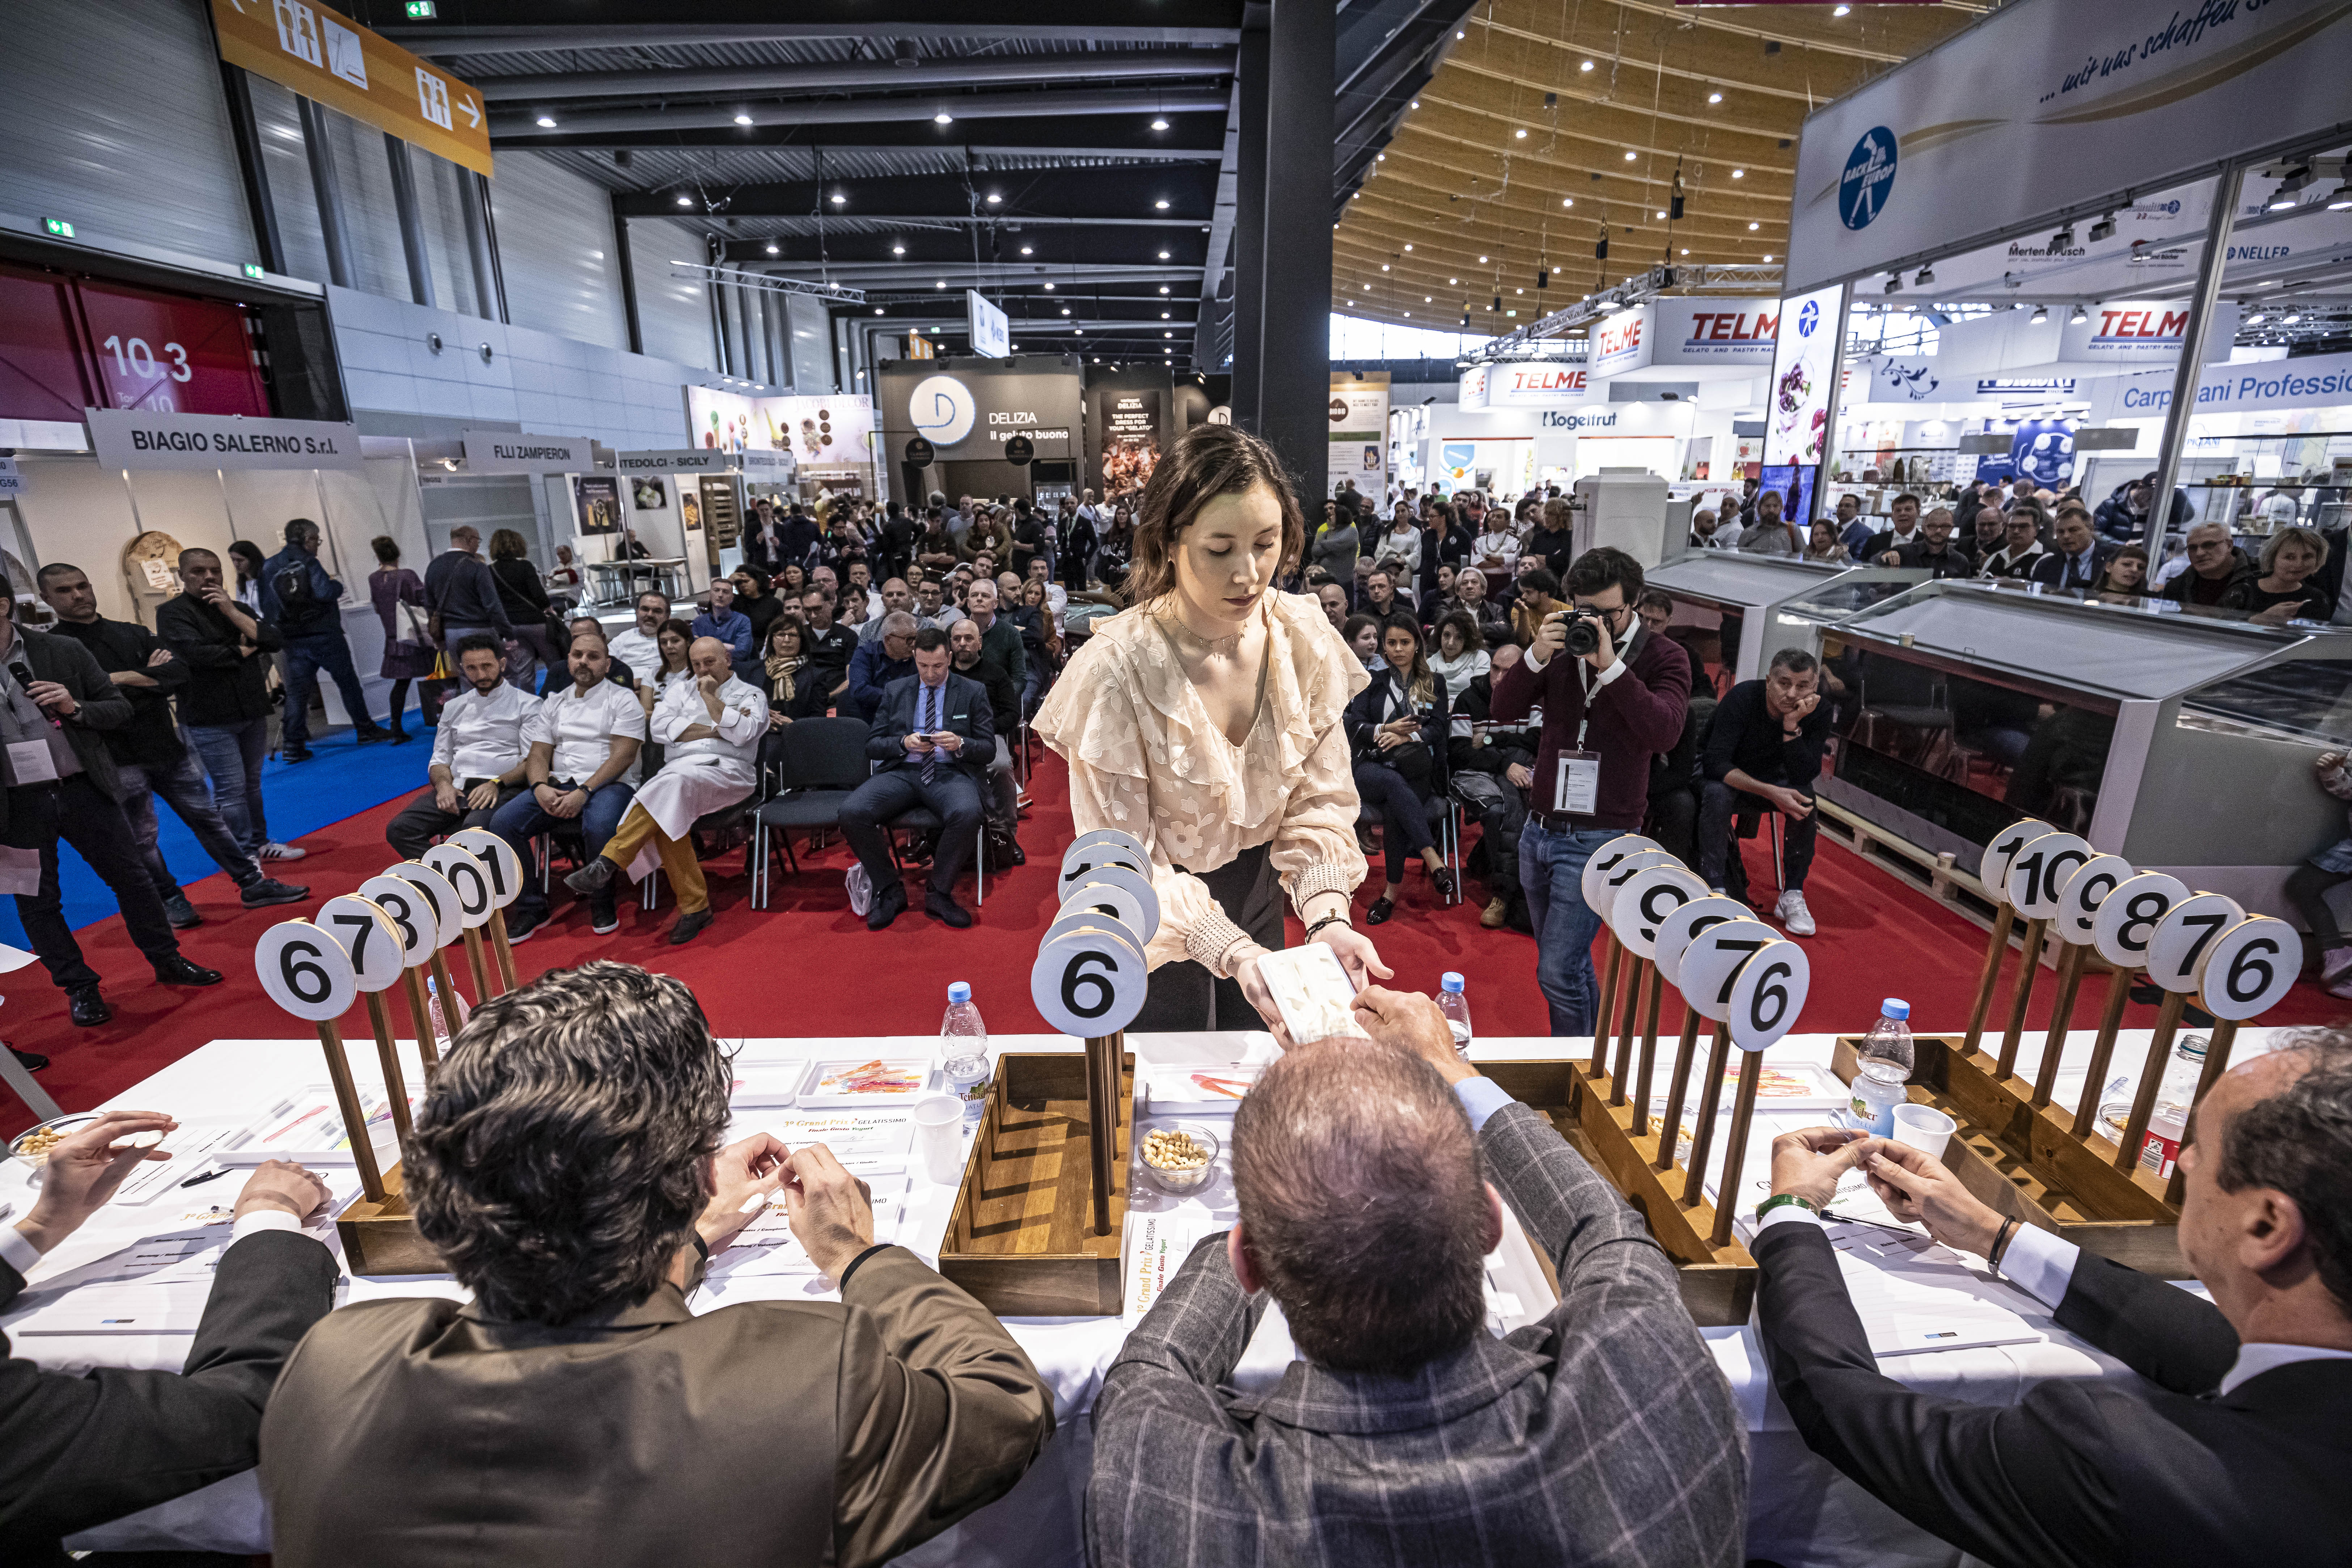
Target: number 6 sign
(2249, 968)
(1089, 981)
(305, 970)
(1767, 993)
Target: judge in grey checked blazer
(1405, 1435)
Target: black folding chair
(819, 763)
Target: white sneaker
(273, 850)
(1791, 912)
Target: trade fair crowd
(568, 1164)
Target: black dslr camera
(1582, 627)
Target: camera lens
(1583, 637)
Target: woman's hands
(1356, 953)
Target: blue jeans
(522, 819)
(182, 786)
(1551, 870)
(305, 658)
(232, 754)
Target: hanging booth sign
(133, 438)
(970, 412)
(921, 453)
(502, 452)
(1796, 412)
(330, 59)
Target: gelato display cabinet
(1733, 611)
(2182, 743)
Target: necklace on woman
(1193, 642)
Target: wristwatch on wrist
(1780, 1199)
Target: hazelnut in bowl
(1180, 1158)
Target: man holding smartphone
(1612, 695)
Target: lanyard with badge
(28, 761)
(1576, 789)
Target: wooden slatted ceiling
(1459, 183)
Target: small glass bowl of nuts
(32, 1146)
(1180, 1158)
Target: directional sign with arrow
(314, 50)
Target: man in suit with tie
(567, 1164)
(934, 738)
(1370, 1180)
(2239, 1452)
(2081, 557)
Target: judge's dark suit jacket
(78, 1451)
(771, 1433)
(965, 705)
(2049, 568)
(2077, 1474)
(1603, 1435)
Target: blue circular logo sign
(1808, 317)
(1869, 177)
(941, 409)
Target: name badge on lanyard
(30, 763)
(1577, 791)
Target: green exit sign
(253, 269)
(421, 10)
(58, 227)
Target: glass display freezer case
(1733, 611)
(2181, 741)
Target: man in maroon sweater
(1605, 715)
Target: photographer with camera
(1612, 695)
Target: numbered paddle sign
(1125, 895)
(467, 881)
(1093, 850)
(1643, 904)
(1088, 983)
(414, 927)
(367, 937)
(2179, 941)
(500, 862)
(2080, 895)
(438, 897)
(2128, 915)
(1767, 991)
(2037, 872)
(1605, 859)
(305, 970)
(2249, 968)
(1675, 931)
(1993, 870)
(1711, 963)
(1613, 881)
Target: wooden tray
(1718, 1283)
(1020, 1239)
(381, 1237)
(2027, 1163)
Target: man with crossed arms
(582, 767)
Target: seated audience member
(2217, 568)
(1402, 1433)
(1709, 531)
(829, 647)
(931, 606)
(619, 674)
(2235, 1448)
(1333, 597)
(80, 1448)
(1904, 511)
(709, 728)
(2285, 590)
(1553, 538)
(1538, 597)
(2126, 578)
(1488, 769)
(935, 736)
(576, 1411)
(635, 648)
(723, 622)
(792, 681)
(971, 662)
(1656, 609)
(2081, 557)
(478, 754)
(2020, 549)
(1823, 544)
(1494, 548)
(1852, 528)
(755, 603)
(999, 636)
(1763, 752)
(1398, 727)
(1470, 597)
(880, 660)
(1363, 635)
(672, 662)
(1991, 531)
(1379, 600)
(582, 767)
(894, 596)
(1771, 533)
(1461, 656)
(1931, 550)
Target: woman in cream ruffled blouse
(1206, 721)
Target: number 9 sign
(1643, 904)
(2080, 895)
(1710, 967)
(1767, 991)
(305, 970)
(465, 874)
(2128, 915)
(368, 936)
(2177, 944)
(1088, 983)
(1993, 870)
(2249, 968)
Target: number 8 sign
(1767, 993)
(305, 970)
(2249, 968)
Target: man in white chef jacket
(478, 752)
(582, 767)
(709, 727)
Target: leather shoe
(592, 879)
(31, 1061)
(295, 754)
(178, 969)
(889, 903)
(86, 1007)
(1381, 911)
(181, 914)
(689, 926)
(942, 907)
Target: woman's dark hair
(786, 624)
(1207, 462)
(557, 1162)
(386, 548)
(249, 558)
(1419, 683)
(683, 630)
(506, 544)
(1465, 623)
(1354, 624)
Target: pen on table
(205, 1176)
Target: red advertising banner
(69, 343)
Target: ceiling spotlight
(1895, 282)
(1417, 103)
(772, 250)
(1585, 67)
(877, 310)
(1842, 11)
(1927, 276)
(1629, 154)
(2281, 203)
(1167, 334)
(943, 118)
(1384, 267)
(1482, 261)
(1163, 255)
(1163, 288)
(1028, 250)
(1459, 35)
(1429, 298)
(547, 122)
(2041, 314)
(1715, 97)
(993, 198)
(1453, 281)
(2341, 197)
(1159, 125)
(1518, 290)
(1662, 215)
(2256, 320)
(1049, 289)
(839, 200)
(1739, 173)
(1162, 203)
(2104, 229)
(742, 120)
(1567, 201)
(1754, 227)
(1065, 310)
(1768, 256)
(1685, 250)
(2079, 317)
(684, 200)
(897, 251)
(941, 284)
(1408, 248)
(2063, 239)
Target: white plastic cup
(1924, 1128)
(939, 1137)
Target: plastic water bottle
(444, 1026)
(1456, 1008)
(964, 1047)
(2167, 1123)
(1887, 1061)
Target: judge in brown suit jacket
(567, 1163)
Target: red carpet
(808, 966)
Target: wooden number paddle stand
(1105, 1112)
(1996, 948)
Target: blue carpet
(341, 779)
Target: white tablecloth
(1802, 1511)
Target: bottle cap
(960, 992)
(1895, 1007)
(1450, 980)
